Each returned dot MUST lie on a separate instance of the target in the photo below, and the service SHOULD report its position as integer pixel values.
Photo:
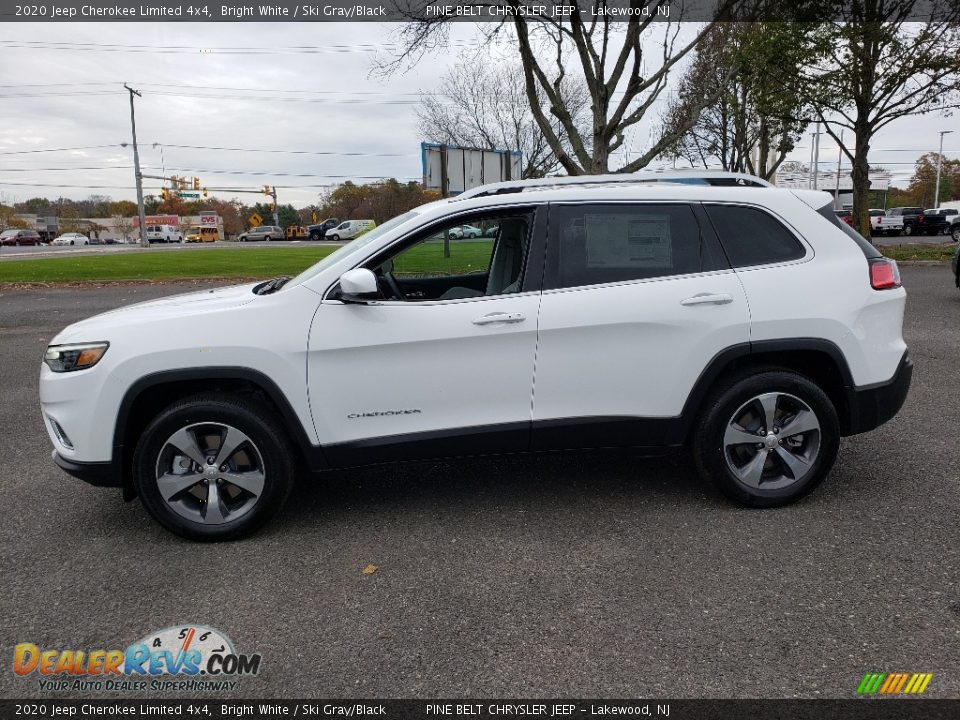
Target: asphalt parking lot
(564, 575)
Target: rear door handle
(493, 318)
(708, 299)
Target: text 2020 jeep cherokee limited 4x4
(743, 320)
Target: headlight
(64, 358)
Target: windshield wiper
(271, 286)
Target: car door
(638, 298)
(446, 371)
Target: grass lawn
(425, 259)
(164, 265)
(466, 256)
(941, 253)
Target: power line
(68, 149)
(290, 152)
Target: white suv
(743, 320)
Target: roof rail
(692, 177)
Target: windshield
(350, 247)
(9, 233)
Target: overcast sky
(264, 95)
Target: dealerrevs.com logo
(179, 658)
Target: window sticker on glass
(640, 241)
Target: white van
(350, 229)
(163, 233)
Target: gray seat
(507, 263)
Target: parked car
(656, 315)
(845, 215)
(466, 231)
(350, 229)
(883, 224)
(13, 236)
(73, 238)
(263, 232)
(955, 261)
(317, 232)
(202, 233)
(916, 222)
(164, 234)
(951, 216)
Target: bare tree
(624, 66)
(882, 67)
(758, 118)
(123, 224)
(486, 106)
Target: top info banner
(425, 11)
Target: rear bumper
(101, 474)
(873, 405)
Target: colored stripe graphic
(894, 683)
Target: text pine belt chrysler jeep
(651, 311)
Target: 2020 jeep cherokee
(651, 312)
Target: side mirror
(359, 286)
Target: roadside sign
(189, 195)
(255, 220)
(315, 218)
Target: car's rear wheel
(767, 439)
(908, 230)
(213, 468)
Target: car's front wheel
(908, 230)
(767, 439)
(956, 234)
(213, 468)
(334, 238)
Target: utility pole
(276, 214)
(936, 193)
(816, 157)
(836, 197)
(136, 170)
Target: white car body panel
(427, 362)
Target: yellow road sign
(255, 220)
(315, 218)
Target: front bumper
(101, 474)
(873, 405)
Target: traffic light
(266, 189)
(163, 193)
(204, 192)
(196, 183)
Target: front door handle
(493, 318)
(708, 299)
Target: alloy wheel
(210, 473)
(772, 441)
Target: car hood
(98, 326)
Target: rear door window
(593, 244)
(751, 236)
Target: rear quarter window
(753, 237)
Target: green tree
(758, 118)
(880, 67)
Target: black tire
(315, 236)
(335, 238)
(908, 230)
(724, 404)
(956, 233)
(258, 422)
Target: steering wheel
(393, 285)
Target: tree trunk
(861, 180)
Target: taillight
(884, 274)
(920, 219)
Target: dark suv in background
(19, 237)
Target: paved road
(30, 252)
(560, 575)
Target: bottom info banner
(682, 709)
